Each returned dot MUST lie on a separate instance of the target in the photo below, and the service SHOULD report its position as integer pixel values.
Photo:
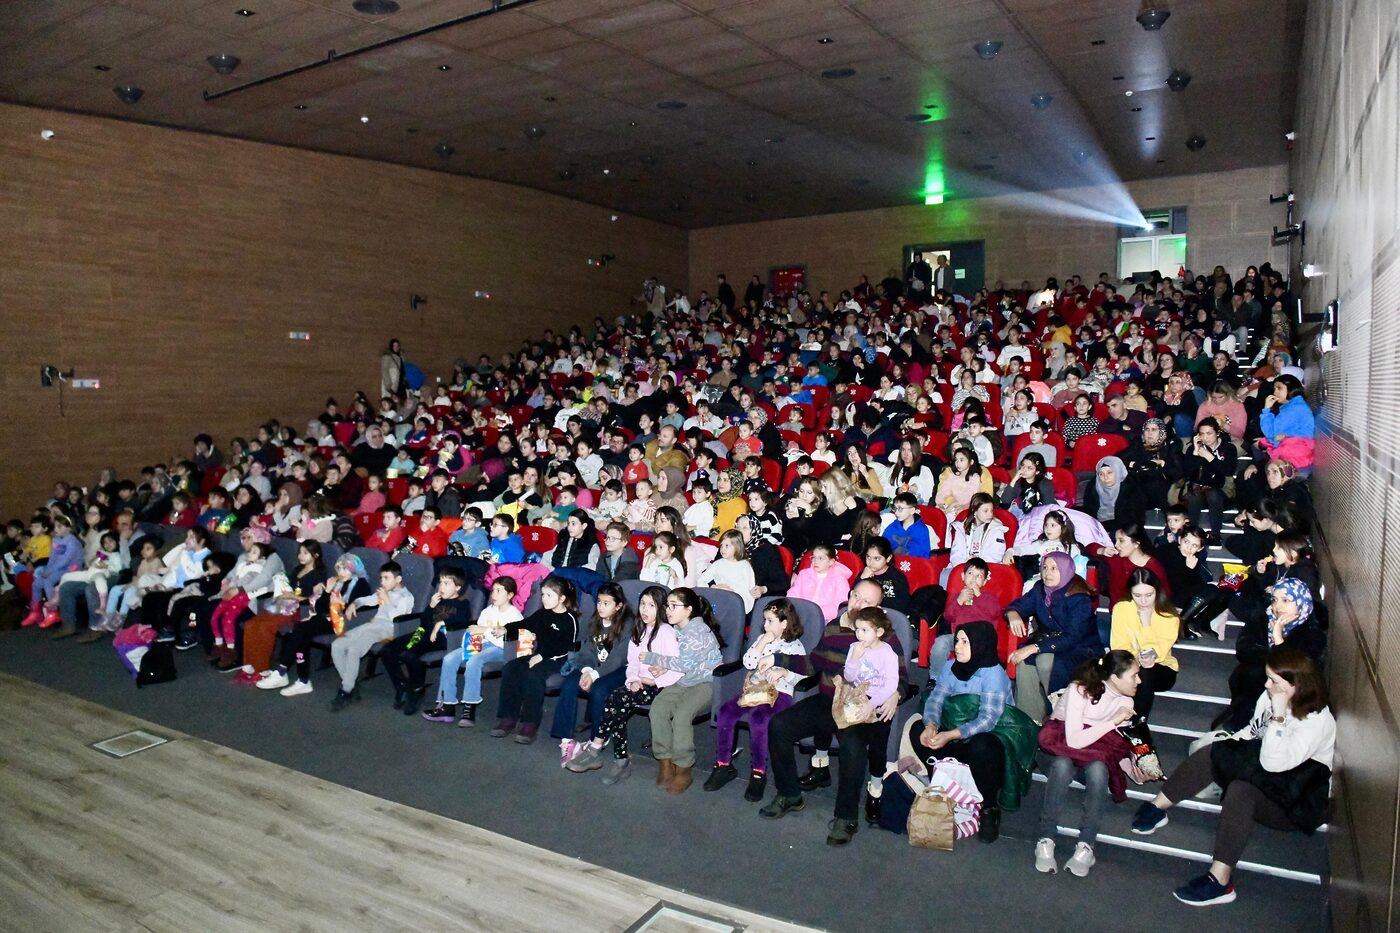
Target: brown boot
(680, 780)
(665, 772)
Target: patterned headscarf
(259, 534)
(357, 567)
(1298, 591)
(736, 486)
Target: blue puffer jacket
(1293, 419)
(1066, 628)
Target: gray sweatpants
(1032, 683)
(350, 648)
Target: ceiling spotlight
(1127, 93)
(223, 63)
(1196, 143)
(825, 40)
(1153, 18)
(1178, 79)
(1041, 101)
(364, 118)
(128, 93)
(607, 171)
(670, 105)
(1081, 156)
(444, 67)
(612, 217)
(1137, 110)
(444, 151)
(917, 117)
(101, 67)
(836, 74)
(375, 7)
(987, 49)
(633, 123)
(46, 134)
(246, 12)
(300, 106)
(568, 173)
(534, 133)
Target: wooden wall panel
(172, 265)
(1230, 224)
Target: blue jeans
(458, 660)
(566, 709)
(1057, 789)
(69, 595)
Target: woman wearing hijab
(1101, 499)
(974, 669)
(1153, 463)
(729, 499)
(347, 584)
(1289, 620)
(1055, 620)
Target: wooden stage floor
(192, 836)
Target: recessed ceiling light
(633, 123)
(568, 173)
(101, 67)
(300, 107)
(128, 93)
(1127, 93)
(649, 160)
(375, 7)
(223, 63)
(1137, 110)
(444, 151)
(364, 118)
(607, 171)
(836, 74)
(444, 67)
(1099, 42)
(1153, 19)
(930, 106)
(1149, 138)
(987, 49)
(916, 117)
(612, 217)
(825, 40)
(1196, 143)
(1081, 156)
(751, 162)
(550, 99)
(534, 133)
(1161, 161)
(1117, 77)
(982, 167)
(1178, 79)
(670, 105)
(1041, 101)
(246, 12)
(885, 79)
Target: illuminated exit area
(1159, 245)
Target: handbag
(846, 704)
(1211, 791)
(757, 691)
(954, 778)
(931, 822)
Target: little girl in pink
(826, 582)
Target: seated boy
(387, 604)
(448, 611)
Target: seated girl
(599, 666)
(555, 630)
(732, 571)
(825, 582)
(779, 659)
(484, 644)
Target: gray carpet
(714, 845)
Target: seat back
(1091, 448)
(633, 589)
(373, 561)
(728, 609)
(286, 550)
(537, 539)
(919, 571)
(418, 575)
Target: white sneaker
(302, 687)
(272, 680)
(1045, 856)
(1081, 861)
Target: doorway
(966, 259)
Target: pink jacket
(524, 575)
(827, 590)
(665, 643)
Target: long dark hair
(657, 594)
(608, 636)
(699, 608)
(1143, 576)
(1092, 675)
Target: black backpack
(157, 665)
(344, 533)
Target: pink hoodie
(828, 590)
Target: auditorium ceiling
(694, 112)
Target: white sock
(821, 760)
(875, 787)
(218, 643)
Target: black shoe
(719, 777)
(400, 695)
(991, 825)
(1213, 539)
(872, 809)
(817, 777)
(1189, 634)
(412, 703)
(185, 644)
(341, 700)
(758, 783)
(781, 806)
(842, 832)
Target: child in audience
(506, 546)
(471, 539)
(825, 582)
(555, 631)
(448, 611)
(641, 512)
(484, 644)
(870, 661)
(651, 638)
(732, 571)
(599, 666)
(699, 518)
(778, 658)
(234, 598)
(674, 709)
(1177, 517)
(391, 534)
(663, 565)
(390, 603)
(125, 597)
(613, 504)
